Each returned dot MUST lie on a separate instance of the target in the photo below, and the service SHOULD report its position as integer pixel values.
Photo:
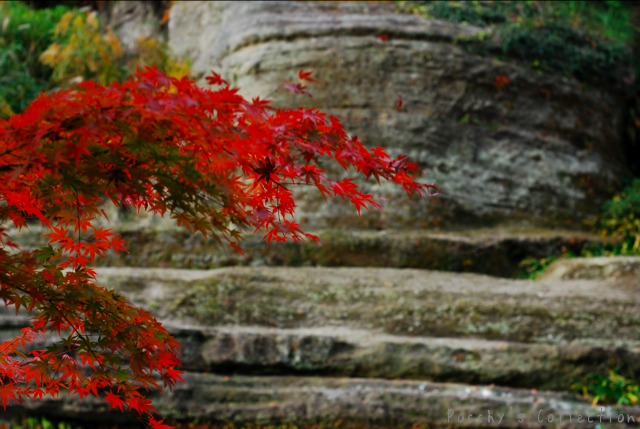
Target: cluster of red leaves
(214, 161)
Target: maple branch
(82, 338)
(209, 158)
(10, 167)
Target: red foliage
(399, 106)
(215, 162)
(502, 81)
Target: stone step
(369, 403)
(346, 352)
(343, 352)
(387, 323)
(370, 345)
(405, 302)
(623, 269)
(492, 251)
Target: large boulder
(543, 149)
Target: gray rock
(391, 323)
(544, 150)
(257, 340)
(359, 353)
(399, 302)
(624, 269)
(372, 403)
(132, 20)
(494, 251)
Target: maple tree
(212, 160)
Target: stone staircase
(498, 251)
(380, 347)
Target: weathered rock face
(132, 20)
(158, 243)
(372, 346)
(352, 404)
(624, 269)
(542, 150)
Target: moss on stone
(250, 299)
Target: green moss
(240, 300)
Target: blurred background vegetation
(46, 46)
(589, 40)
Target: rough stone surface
(624, 269)
(543, 150)
(367, 344)
(358, 353)
(132, 20)
(399, 302)
(154, 242)
(368, 403)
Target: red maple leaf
(399, 103)
(502, 81)
(158, 424)
(114, 401)
(296, 88)
(306, 75)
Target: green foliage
(39, 423)
(474, 13)
(555, 48)
(621, 219)
(619, 222)
(610, 389)
(83, 49)
(532, 268)
(40, 49)
(587, 40)
(24, 34)
(608, 20)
